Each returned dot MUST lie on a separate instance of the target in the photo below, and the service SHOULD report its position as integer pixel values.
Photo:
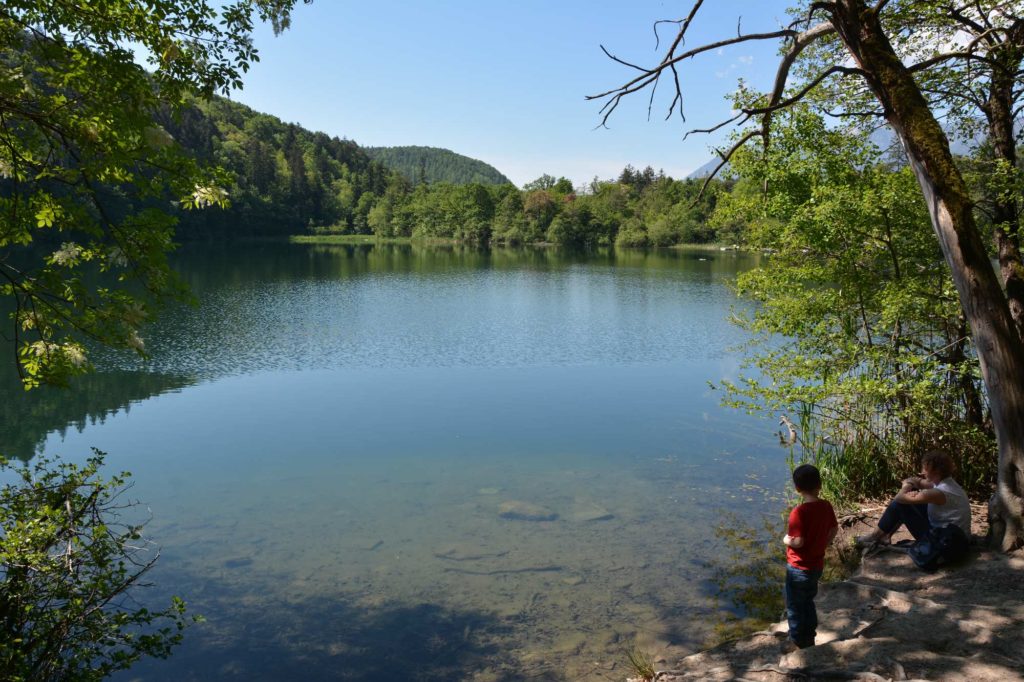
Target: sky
(506, 82)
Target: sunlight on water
(400, 463)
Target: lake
(383, 462)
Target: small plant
(641, 662)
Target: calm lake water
(328, 440)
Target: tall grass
(860, 461)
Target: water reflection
(219, 265)
(28, 417)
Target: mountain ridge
(419, 163)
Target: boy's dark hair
(939, 460)
(806, 478)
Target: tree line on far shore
(286, 180)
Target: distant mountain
(432, 164)
(705, 170)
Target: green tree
(859, 324)
(868, 58)
(87, 174)
(544, 182)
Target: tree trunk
(999, 346)
(999, 114)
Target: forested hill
(284, 179)
(432, 164)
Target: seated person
(932, 500)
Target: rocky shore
(890, 621)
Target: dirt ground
(890, 621)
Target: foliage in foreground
(88, 178)
(68, 561)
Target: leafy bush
(68, 561)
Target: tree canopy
(87, 174)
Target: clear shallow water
(326, 441)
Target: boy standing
(812, 526)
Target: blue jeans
(801, 588)
(913, 516)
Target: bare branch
(680, 37)
(815, 82)
(669, 60)
(725, 156)
(622, 61)
(678, 98)
(800, 41)
(845, 114)
(938, 59)
(742, 115)
(650, 101)
(958, 15)
(966, 95)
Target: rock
(525, 511)
(573, 580)
(584, 512)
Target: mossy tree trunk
(996, 337)
(998, 110)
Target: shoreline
(890, 621)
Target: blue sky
(505, 83)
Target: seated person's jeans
(913, 516)
(801, 588)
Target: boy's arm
(792, 538)
(790, 541)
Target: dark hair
(806, 478)
(938, 460)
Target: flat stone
(585, 512)
(525, 511)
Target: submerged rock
(525, 511)
(584, 512)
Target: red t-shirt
(811, 521)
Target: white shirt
(957, 509)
